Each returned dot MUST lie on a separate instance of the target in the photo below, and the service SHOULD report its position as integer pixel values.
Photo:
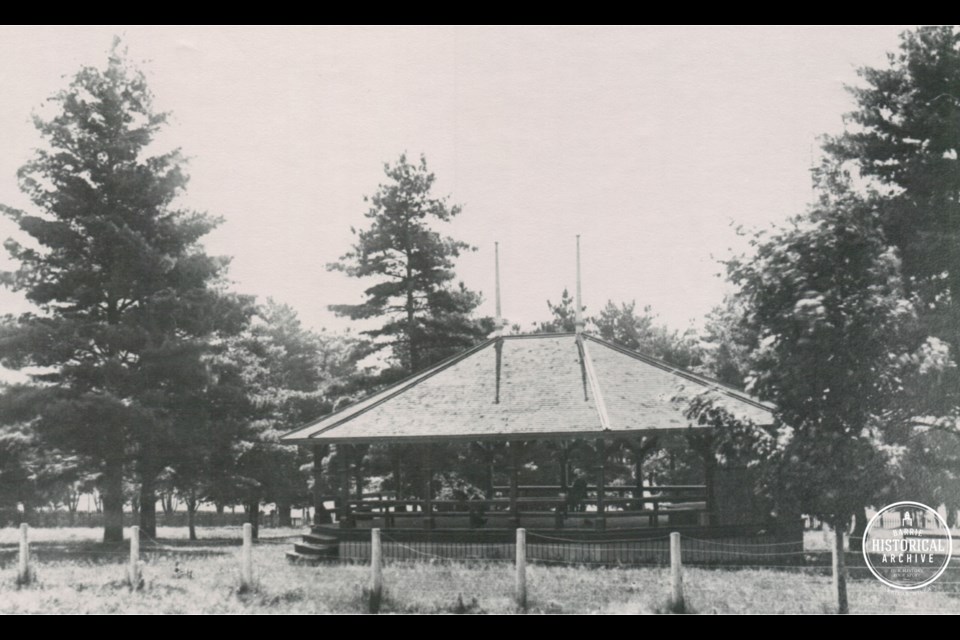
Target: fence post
(246, 558)
(676, 574)
(376, 571)
(23, 568)
(839, 571)
(134, 557)
(522, 569)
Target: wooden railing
(671, 503)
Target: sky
(653, 144)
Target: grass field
(76, 574)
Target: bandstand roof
(528, 387)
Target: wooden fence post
(376, 571)
(246, 558)
(522, 569)
(676, 574)
(23, 567)
(839, 571)
(134, 557)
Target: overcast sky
(652, 143)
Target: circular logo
(907, 545)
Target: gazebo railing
(676, 504)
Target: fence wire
(634, 570)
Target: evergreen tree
(564, 316)
(128, 302)
(425, 316)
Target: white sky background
(653, 143)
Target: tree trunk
(840, 565)
(111, 492)
(283, 514)
(73, 505)
(148, 506)
(192, 504)
(220, 506)
(859, 528)
(410, 309)
(166, 500)
(253, 517)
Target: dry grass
(74, 574)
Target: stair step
(316, 550)
(320, 539)
(324, 530)
(297, 558)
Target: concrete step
(320, 539)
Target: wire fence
(789, 579)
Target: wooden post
(676, 574)
(710, 479)
(376, 571)
(343, 517)
(246, 558)
(428, 487)
(601, 484)
(521, 584)
(514, 483)
(23, 567)
(134, 557)
(320, 515)
(839, 570)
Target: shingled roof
(527, 387)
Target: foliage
(425, 317)
(903, 143)
(727, 342)
(564, 316)
(639, 332)
(837, 333)
(128, 302)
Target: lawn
(77, 574)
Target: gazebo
(528, 391)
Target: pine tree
(564, 316)
(128, 302)
(425, 316)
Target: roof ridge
(598, 402)
(728, 390)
